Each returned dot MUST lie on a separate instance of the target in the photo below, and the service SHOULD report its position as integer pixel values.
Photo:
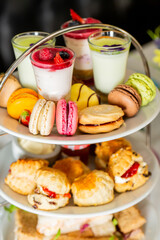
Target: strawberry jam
(55, 195)
(131, 171)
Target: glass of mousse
(21, 42)
(109, 52)
(53, 68)
(77, 41)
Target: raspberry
(58, 59)
(45, 54)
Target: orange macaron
(23, 98)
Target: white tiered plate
(120, 202)
(131, 125)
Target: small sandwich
(52, 191)
(128, 170)
(130, 222)
(93, 189)
(104, 150)
(100, 119)
(72, 167)
(22, 173)
(122, 225)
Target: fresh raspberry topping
(45, 54)
(92, 20)
(76, 17)
(58, 59)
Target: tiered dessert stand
(141, 120)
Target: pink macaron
(66, 117)
(42, 117)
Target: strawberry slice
(131, 171)
(76, 17)
(25, 117)
(58, 59)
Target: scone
(128, 170)
(105, 149)
(100, 118)
(72, 167)
(22, 173)
(94, 188)
(52, 190)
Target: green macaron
(144, 86)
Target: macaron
(125, 97)
(100, 119)
(10, 85)
(83, 96)
(66, 117)
(144, 86)
(42, 117)
(23, 98)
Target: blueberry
(64, 55)
(73, 23)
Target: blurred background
(134, 16)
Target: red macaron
(66, 117)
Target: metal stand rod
(71, 29)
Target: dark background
(16, 16)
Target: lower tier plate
(147, 208)
(120, 202)
(131, 125)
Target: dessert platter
(59, 114)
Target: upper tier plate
(120, 202)
(143, 118)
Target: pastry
(93, 189)
(127, 98)
(42, 117)
(21, 99)
(52, 190)
(84, 96)
(72, 167)
(144, 86)
(104, 150)
(66, 117)
(100, 118)
(128, 170)
(22, 173)
(10, 85)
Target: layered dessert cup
(53, 68)
(77, 41)
(109, 52)
(21, 42)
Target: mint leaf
(57, 234)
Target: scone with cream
(52, 190)
(72, 167)
(104, 150)
(92, 189)
(22, 173)
(128, 170)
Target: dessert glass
(53, 79)
(109, 52)
(77, 41)
(21, 42)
